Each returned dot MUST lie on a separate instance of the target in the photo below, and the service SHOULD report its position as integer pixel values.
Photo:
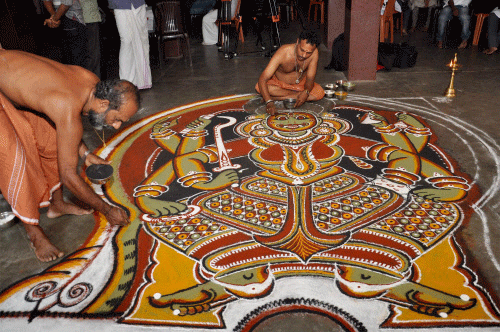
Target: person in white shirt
(458, 8)
(493, 32)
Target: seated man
(291, 73)
(493, 32)
(416, 5)
(41, 107)
(458, 8)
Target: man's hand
(301, 98)
(51, 23)
(117, 216)
(93, 159)
(271, 108)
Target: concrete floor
(467, 127)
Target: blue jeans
(447, 14)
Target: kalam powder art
(353, 213)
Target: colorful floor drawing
(350, 212)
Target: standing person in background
(131, 21)
(92, 18)
(68, 15)
(209, 28)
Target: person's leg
(44, 249)
(493, 34)
(126, 55)
(94, 47)
(443, 18)
(428, 18)
(59, 207)
(414, 18)
(141, 47)
(209, 29)
(406, 18)
(22, 179)
(74, 43)
(463, 15)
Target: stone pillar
(335, 20)
(362, 18)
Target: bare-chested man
(291, 73)
(40, 150)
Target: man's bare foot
(490, 50)
(440, 44)
(59, 208)
(463, 44)
(45, 251)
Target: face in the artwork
(304, 50)
(292, 124)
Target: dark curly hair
(311, 37)
(115, 90)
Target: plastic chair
(169, 26)
(387, 21)
(318, 4)
(479, 26)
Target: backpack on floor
(339, 59)
(406, 56)
(397, 55)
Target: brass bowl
(330, 86)
(349, 86)
(329, 93)
(340, 84)
(341, 95)
(99, 173)
(6, 219)
(289, 103)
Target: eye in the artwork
(248, 277)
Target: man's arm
(69, 134)
(55, 16)
(310, 78)
(266, 75)
(50, 22)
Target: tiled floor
(472, 115)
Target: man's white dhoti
(134, 46)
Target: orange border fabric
(28, 161)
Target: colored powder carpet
(349, 213)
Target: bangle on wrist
(307, 91)
(269, 101)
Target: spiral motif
(76, 294)
(41, 291)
